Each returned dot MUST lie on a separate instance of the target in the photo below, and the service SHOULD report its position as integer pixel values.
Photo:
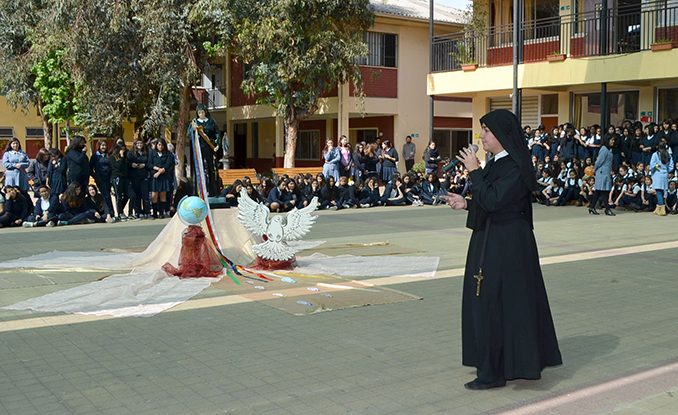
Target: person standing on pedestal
(209, 138)
(507, 329)
(409, 149)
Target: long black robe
(507, 331)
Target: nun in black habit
(507, 329)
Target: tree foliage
(299, 49)
(57, 91)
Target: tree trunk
(291, 142)
(182, 127)
(46, 126)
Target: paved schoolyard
(612, 284)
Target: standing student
(161, 163)
(100, 166)
(139, 183)
(507, 329)
(120, 179)
(389, 157)
(56, 172)
(346, 165)
(648, 145)
(358, 166)
(37, 171)
(370, 161)
(332, 158)
(660, 166)
(78, 163)
(16, 162)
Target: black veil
(505, 126)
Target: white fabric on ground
(372, 266)
(139, 294)
(146, 290)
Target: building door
(240, 146)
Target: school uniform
(51, 206)
(100, 166)
(330, 194)
(651, 142)
(164, 182)
(78, 168)
(388, 166)
(634, 197)
(13, 175)
(649, 197)
(120, 181)
(139, 183)
(75, 214)
(344, 199)
(567, 147)
(671, 197)
(56, 173)
(37, 172)
(572, 187)
(15, 209)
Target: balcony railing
(619, 30)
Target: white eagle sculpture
(276, 230)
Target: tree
(56, 90)
(18, 22)
(298, 50)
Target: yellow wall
(266, 139)
(18, 120)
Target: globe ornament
(192, 210)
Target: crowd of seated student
(415, 189)
(643, 161)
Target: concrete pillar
(566, 10)
(343, 110)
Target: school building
(396, 103)
(580, 61)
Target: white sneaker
(28, 224)
(50, 224)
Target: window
(667, 104)
(620, 106)
(549, 104)
(308, 145)
(6, 132)
(450, 142)
(542, 19)
(34, 132)
(382, 50)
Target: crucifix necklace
(479, 276)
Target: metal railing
(625, 29)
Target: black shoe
(609, 212)
(592, 211)
(478, 385)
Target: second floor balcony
(619, 30)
